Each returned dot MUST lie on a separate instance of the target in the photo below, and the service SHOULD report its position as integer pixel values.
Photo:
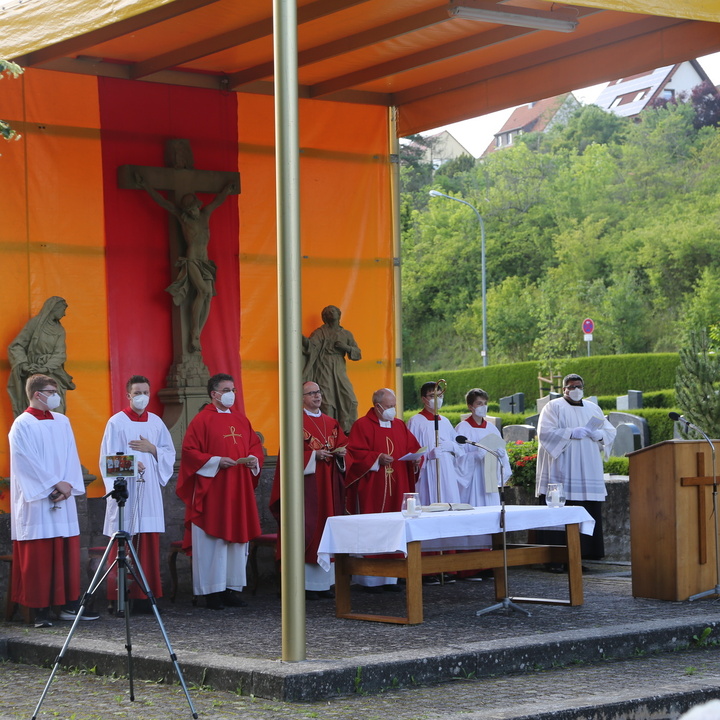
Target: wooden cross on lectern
(701, 482)
(189, 234)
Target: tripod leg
(142, 581)
(94, 584)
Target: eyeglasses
(314, 393)
(573, 387)
(49, 391)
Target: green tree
(697, 383)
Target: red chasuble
(381, 490)
(324, 489)
(223, 506)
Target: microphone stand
(506, 603)
(716, 589)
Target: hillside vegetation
(607, 218)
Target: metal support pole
(394, 147)
(287, 173)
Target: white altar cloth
(377, 533)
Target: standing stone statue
(325, 351)
(39, 348)
(196, 276)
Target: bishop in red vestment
(324, 466)
(221, 460)
(375, 479)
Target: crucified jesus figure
(196, 276)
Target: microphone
(681, 418)
(464, 441)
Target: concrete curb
(321, 679)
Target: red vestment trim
(134, 416)
(474, 423)
(40, 414)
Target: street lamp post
(437, 193)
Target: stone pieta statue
(325, 352)
(39, 348)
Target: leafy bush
(523, 461)
(610, 375)
(617, 466)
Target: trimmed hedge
(604, 375)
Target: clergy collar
(575, 403)
(134, 417)
(317, 414)
(40, 414)
(222, 412)
(385, 423)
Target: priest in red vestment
(221, 460)
(375, 479)
(324, 468)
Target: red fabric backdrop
(136, 120)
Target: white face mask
(576, 394)
(140, 402)
(388, 414)
(480, 411)
(431, 403)
(52, 401)
(228, 399)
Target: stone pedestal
(181, 406)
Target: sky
(477, 133)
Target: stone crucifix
(193, 286)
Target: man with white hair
(375, 478)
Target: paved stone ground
(668, 682)
(83, 696)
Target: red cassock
(223, 506)
(324, 489)
(381, 490)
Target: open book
(440, 507)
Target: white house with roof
(629, 95)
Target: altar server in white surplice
(135, 431)
(473, 465)
(446, 454)
(574, 435)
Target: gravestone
(496, 421)
(627, 440)
(519, 433)
(540, 403)
(514, 404)
(632, 401)
(616, 418)
(532, 420)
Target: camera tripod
(124, 544)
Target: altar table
(349, 536)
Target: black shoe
(326, 594)
(431, 580)
(232, 599)
(312, 595)
(70, 614)
(391, 587)
(556, 568)
(42, 618)
(214, 601)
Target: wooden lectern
(671, 522)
